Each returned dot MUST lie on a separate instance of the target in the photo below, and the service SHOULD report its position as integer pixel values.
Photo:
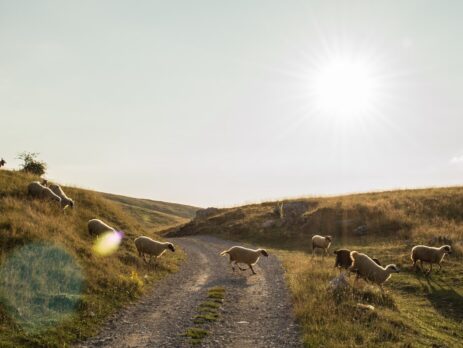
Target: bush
(32, 164)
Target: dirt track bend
(256, 310)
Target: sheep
(343, 259)
(97, 227)
(2, 162)
(153, 248)
(65, 200)
(322, 242)
(429, 254)
(36, 189)
(367, 269)
(239, 254)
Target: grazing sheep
(97, 227)
(321, 242)
(343, 259)
(36, 189)
(367, 269)
(429, 254)
(239, 254)
(153, 248)
(2, 162)
(65, 200)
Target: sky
(215, 103)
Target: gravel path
(256, 311)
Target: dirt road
(256, 311)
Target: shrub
(32, 164)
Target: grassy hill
(55, 289)
(417, 311)
(156, 215)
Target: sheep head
(328, 238)
(171, 247)
(447, 249)
(264, 252)
(392, 268)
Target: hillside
(156, 215)
(418, 311)
(55, 289)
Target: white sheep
(151, 247)
(239, 254)
(97, 227)
(369, 270)
(429, 254)
(65, 200)
(321, 242)
(36, 189)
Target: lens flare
(41, 286)
(107, 243)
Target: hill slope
(418, 311)
(55, 289)
(156, 215)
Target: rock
(295, 209)
(361, 230)
(205, 213)
(339, 282)
(268, 223)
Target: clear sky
(217, 103)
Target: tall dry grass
(418, 311)
(75, 310)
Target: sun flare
(345, 88)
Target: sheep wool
(151, 247)
(321, 242)
(369, 270)
(239, 254)
(65, 200)
(343, 260)
(36, 189)
(97, 227)
(429, 254)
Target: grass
(208, 312)
(54, 289)
(196, 334)
(417, 311)
(156, 215)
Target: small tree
(32, 164)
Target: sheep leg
(250, 266)
(430, 270)
(156, 263)
(241, 269)
(143, 257)
(232, 265)
(421, 263)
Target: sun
(344, 88)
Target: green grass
(417, 311)
(54, 289)
(196, 335)
(208, 312)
